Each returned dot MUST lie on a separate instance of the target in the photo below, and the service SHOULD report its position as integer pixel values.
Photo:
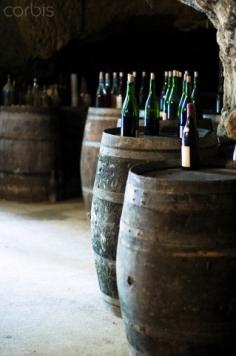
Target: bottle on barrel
(220, 91)
(129, 113)
(183, 110)
(183, 91)
(196, 98)
(101, 92)
(152, 111)
(121, 91)
(143, 94)
(108, 90)
(36, 93)
(163, 92)
(190, 141)
(174, 98)
(8, 92)
(136, 87)
(114, 91)
(166, 97)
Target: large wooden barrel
(72, 122)
(28, 139)
(176, 262)
(98, 120)
(117, 155)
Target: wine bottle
(114, 91)
(29, 96)
(183, 91)
(166, 97)
(190, 141)
(152, 111)
(136, 87)
(173, 101)
(8, 92)
(163, 92)
(183, 110)
(129, 113)
(143, 93)
(36, 93)
(108, 90)
(101, 92)
(196, 99)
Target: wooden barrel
(28, 139)
(176, 262)
(98, 120)
(72, 122)
(117, 155)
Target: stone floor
(49, 299)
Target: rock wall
(222, 14)
(36, 29)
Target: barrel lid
(158, 178)
(112, 138)
(178, 174)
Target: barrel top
(18, 109)
(178, 174)
(159, 177)
(104, 112)
(112, 138)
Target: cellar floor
(49, 299)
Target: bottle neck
(188, 89)
(152, 86)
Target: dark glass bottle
(55, 99)
(190, 142)
(114, 91)
(163, 92)
(174, 97)
(166, 97)
(108, 90)
(143, 93)
(183, 111)
(29, 96)
(196, 99)
(129, 113)
(220, 91)
(101, 93)
(36, 93)
(122, 86)
(152, 111)
(8, 92)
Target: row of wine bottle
(188, 129)
(173, 103)
(34, 95)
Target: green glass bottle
(174, 97)
(152, 111)
(183, 92)
(166, 97)
(196, 99)
(144, 90)
(130, 112)
(183, 111)
(163, 92)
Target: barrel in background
(176, 262)
(98, 120)
(28, 145)
(117, 155)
